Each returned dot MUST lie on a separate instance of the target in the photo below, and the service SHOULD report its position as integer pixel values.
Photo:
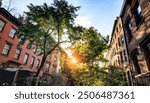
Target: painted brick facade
(9, 60)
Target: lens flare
(73, 60)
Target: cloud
(83, 21)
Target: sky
(100, 14)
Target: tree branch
(53, 48)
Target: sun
(73, 60)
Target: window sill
(11, 37)
(16, 58)
(6, 55)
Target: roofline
(10, 17)
(122, 8)
(115, 22)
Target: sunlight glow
(73, 60)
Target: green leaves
(44, 22)
(90, 43)
(43, 25)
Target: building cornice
(10, 17)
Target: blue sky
(98, 13)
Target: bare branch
(10, 5)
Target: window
(12, 33)
(6, 49)
(125, 55)
(48, 57)
(21, 40)
(120, 26)
(37, 63)
(129, 29)
(134, 58)
(115, 35)
(18, 51)
(32, 61)
(137, 13)
(29, 46)
(146, 49)
(117, 30)
(116, 46)
(25, 58)
(119, 42)
(34, 49)
(2, 24)
(39, 51)
(121, 58)
(122, 40)
(47, 67)
(129, 2)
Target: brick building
(16, 52)
(135, 16)
(117, 53)
(135, 19)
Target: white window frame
(37, 63)
(17, 54)
(25, 60)
(2, 24)
(6, 49)
(32, 61)
(12, 33)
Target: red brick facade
(9, 57)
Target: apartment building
(15, 52)
(117, 53)
(54, 63)
(135, 17)
(130, 48)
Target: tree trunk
(42, 64)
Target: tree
(9, 5)
(88, 48)
(44, 23)
(115, 77)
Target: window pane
(37, 63)
(21, 40)
(47, 67)
(129, 29)
(12, 33)
(34, 50)
(139, 10)
(29, 46)
(25, 58)
(6, 49)
(32, 61)
(1, 25)
(18, 51)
